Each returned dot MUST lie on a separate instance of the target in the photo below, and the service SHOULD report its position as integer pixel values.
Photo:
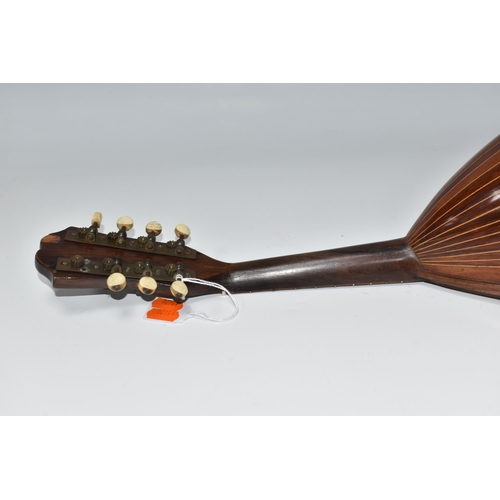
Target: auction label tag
(164, 310)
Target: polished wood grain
(386, 262)
(457, 237)
(454, 243)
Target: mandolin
(455, 243)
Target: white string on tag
(224, 291)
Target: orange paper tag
(164, 310)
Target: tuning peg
(96, 219)
(153, 228)
(90, 233)
(125, 223)
(182, 231)
(116, 282)
(179, 289)
(147, 285)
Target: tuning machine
(141, 272)
(182, 232)
(153, 229)
(116, 282)
(90, 233)
(124, 224)
(179, 290)
(147, 284)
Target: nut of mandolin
(147, 285)
(125, 222)
(182, 231)
(179, 290)
(116, 282)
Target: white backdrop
(255, 171)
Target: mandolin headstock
(85, 258)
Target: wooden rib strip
(450, 195)
(458, 265)
(442, 249)
(474, 229)
(468, 221)
(469, 254)
(429, 231)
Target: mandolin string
(224, 291)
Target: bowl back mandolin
(454, 243)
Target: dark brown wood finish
(455, 243)
(386, 262)
(376, 263)
(457, 237)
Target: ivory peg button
(182, 231)
(179, 290)
(116, 282)
(153, 228)
(96, 219)
(147, 285)
(125, 222)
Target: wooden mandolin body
(457, 238)
(455, 243)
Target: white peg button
(147, 285)
(179, 290)
(125, 222)
(153, 228)
(116, 282)
(96, 219)
(182, 231)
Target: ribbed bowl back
(458, 234)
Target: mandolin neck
(375, 263)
